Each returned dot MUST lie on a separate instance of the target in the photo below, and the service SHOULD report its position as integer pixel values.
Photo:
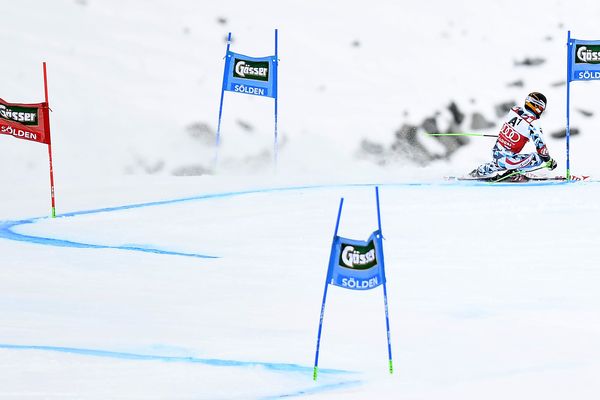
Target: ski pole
(462, 134)
(521, 172)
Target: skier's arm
(540, 146)
(535, 133)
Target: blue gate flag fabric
(355, 264)
(250, 75)
(584, 60)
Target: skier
(520, 126)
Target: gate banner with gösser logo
(24, 121)
(30, 122)
(249, 75)
(584, 60)
(356, 265)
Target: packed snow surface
(492, 292)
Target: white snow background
(492, 289)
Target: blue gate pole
(337, 225)
(568, 130)
(385, 300)
(275, 144)
(218, 138)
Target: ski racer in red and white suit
(521, 125)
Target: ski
(512, 176)
(559, 178)
(517, 178)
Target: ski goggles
(538, 105)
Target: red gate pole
(47, 120)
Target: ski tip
(580, 177)
(572, 178)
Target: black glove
(551, 164)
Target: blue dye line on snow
(7, 232)
(277, 367)
(315, 390)
(192, 360)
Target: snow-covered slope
(121, 303)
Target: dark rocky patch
(563, 133)
(148, 167)
(478, 121)
(201, 131)
(518, 83)
(245, 125)
(191, 170)
(531, 62)
(503, 108)
(408, 146)
(369, 147)
(457, 115)
(585, 113)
